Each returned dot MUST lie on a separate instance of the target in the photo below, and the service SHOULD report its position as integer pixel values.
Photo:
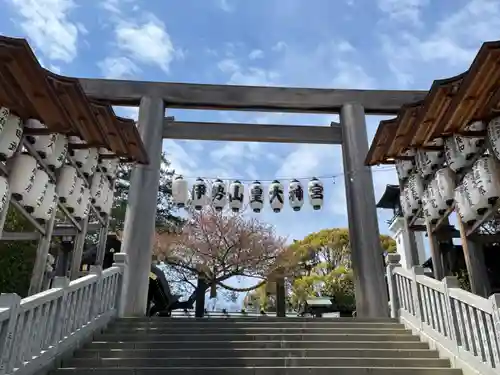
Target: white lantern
(10, 138)
(470, 146)
(112, 168)
(454, 157)
(104, 154)
(90, 165)
(66, 182)
(463, 205)
(75, 198)
(199, 194)
(428, 205)
(256, 196)
(405, 167)
(404, 201)
(219, 195)
(416, 191)
(437, 200)
(99, 183)
(101, 197)
(236, 195)
(48, 204)
(82, 208)
(56, 159)
(446, 185)
(4, 116)
(108, 202)
(4, 190)
(429, 161)
(487, 174)
(276, 196)
(79, 155)
(43, 144)
(296, 195)
(478, 201)
(22, 176)
(494, 136)
(316, 193)
(180, 191)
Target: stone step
(245, 344)
(131, 337)
(257, 320)
(260, 371)
(245, 352)
(318, 323)
(255, 362)
(254, 330)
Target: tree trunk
(201, 288)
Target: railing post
(417, 306)
(121, 260)
(495, 302)
(97, 294)
(393, 261)
(59, 330)
(451, 282)
(12, 302)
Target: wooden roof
(59, 102)
(449, 107)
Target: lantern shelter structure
(59, 151)
(445, 147)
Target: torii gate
(352, 105)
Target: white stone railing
(37, 330)
(462, 326)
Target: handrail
(35, 330)
(462, 325)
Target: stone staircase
(258, 346)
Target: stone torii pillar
(140, 218)
(366, 251)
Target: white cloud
(146, 42)
(403, 11)
(48, 26)
(225, 5)
(256, 54)
(280, 46)
(118, 67)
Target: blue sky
(391, 44)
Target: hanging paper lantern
(104, 154)
(470, 146)
(416, 191)
(276, 196)
(34, 197)
(97, 186)
(112, 168)
(56, 159)
(108, 203)
(404, 201)
(437, 201)
(75, 198)
(487, 174)
(478, 201)
(236, 195)
(454, 157)
(429, 207)
(429, 161)
(256, 196)
(4, 190)
(79, 155)
(42, 144)
(405, 167)
(316, 196)
(180, 191)
(463, 205)
(10, 138)
(296, 195)
(48, 204)
(219, 195)
(82, 208)
(66, 182)
(4, 116)
(90, 165)
(494, 136)
(22, 176)
(199, 194)
(446, 185)
(102, 197)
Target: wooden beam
(213, 131)
(248, 98)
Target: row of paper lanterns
(479, 189)
(234, 195)
(29, 183)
